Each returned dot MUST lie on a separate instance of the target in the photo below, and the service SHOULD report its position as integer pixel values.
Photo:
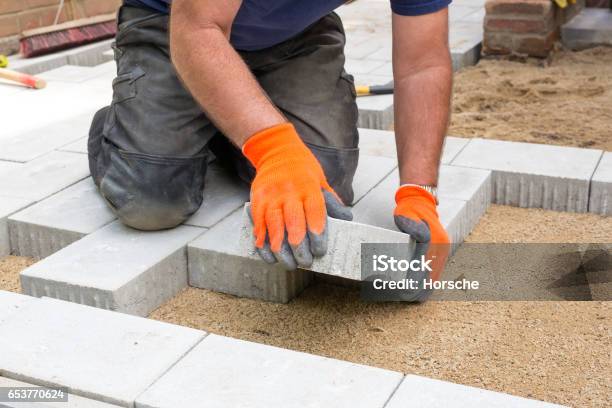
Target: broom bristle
(72, 37)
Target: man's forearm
(422, 102)
(219, 79)
(422, 71)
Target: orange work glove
(416, 215)
(290, 198)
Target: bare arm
(422, 73)
(214, 72)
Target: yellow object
(362, 90)
(3, 61)
(562, 3)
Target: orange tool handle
(24, 79)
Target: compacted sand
(564, 102)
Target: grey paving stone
(11, 303)
(458, 11)
(592, 26)
(465, 40)
(384, 70)
(362, 50)
(115, 268)
(375, 112)
(343, 258)
(371, 170)
(600, 200)
(534, 175)
(8, 166)
(74, 401)
(222, 372)
(33, 143)
(78, 146)
(362, 66)
(464, 197)
(56, 222)
(8, 206)
(422, 392)
(111, 357)
(223, 194)
(370, 79)
(217, 262)
(70, 73)
(44, 176)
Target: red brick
(497, 44)
(29, 19)
(535, 46)
(541, 25)
(10, 6)
(537, 7)
(97, 7)
(9, 25)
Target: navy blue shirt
(263, 23)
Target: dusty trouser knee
(150, 192)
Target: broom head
(67, 35)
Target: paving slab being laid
(78, 146)
(600, 199)
(78, 74)
(217, 262)
(590, 27)
(73, 401)
(223, 372)
(98, 354)
(534, 175)
(9, 206)
(422, 392)
(6, 166)
(44, 176)
(375, 112)
(116, 268)
(59, 220)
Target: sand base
(563, 102)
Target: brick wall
(524, 27)
(19, 15)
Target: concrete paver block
(600, 200)
(534, 175)
(376, 142)
(375, 112)
(8, 206)
(465, 39)
(34, 143)
(217, 262)
(343, 258)
(223, 194)
(592, 26)
(222, 372)
(74, 401)
(78, 146)
(362, 66)
(464, 196)
(11, 303)
(371, 170)
(44, 176)
(115, 268)
(59, 220)
(111, 357)
(422, 392)
(6, 166)
(70, 73)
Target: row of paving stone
(103, 270)
(107, 359)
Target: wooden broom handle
(24, 79)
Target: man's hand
(290, 198)
(417, 216)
